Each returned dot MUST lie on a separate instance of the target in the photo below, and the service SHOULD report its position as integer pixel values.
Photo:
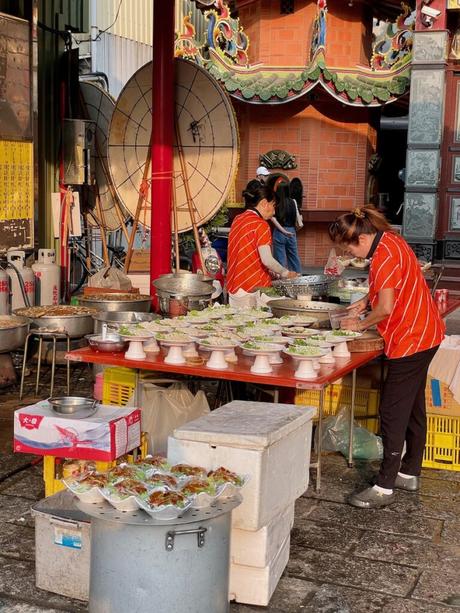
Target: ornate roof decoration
(224, 54)
(393, 46)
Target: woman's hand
(358, 307)
(351, 323)
(292, 275)
(287, 233)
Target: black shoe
(371, 498)
(409, 485)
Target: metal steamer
(319, 310)
(307, 285)
(162, 566)
(179, 293)
(74, 326)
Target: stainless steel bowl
(308, 285)
(140, 303)
(120, 317)
(14, 337)
(73, 406)
(112, 343)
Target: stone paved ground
(402, 559)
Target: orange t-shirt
(245, 269)
(414, 324)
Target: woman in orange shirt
(409, 322)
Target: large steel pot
(169, 565)
(120, 317)
(319, 310)
(76, 325)
(15, 336)
(115, 302)
(179, 293)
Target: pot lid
(246, 425)
(185, 285)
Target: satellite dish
(99, 106)
(208, 135)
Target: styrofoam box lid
(249, 425)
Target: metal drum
(179, 293)
(140, 564)
(13, 332)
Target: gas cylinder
(17, 267)
(4, 292)
(47, 278)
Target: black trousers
(403, 416)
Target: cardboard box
(440, 400)
(108, 434)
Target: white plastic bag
(110, 278)
(167, 408)
(334, 266)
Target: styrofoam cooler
(259, 547)
(269, 442)
(252, 585)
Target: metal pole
(163, 110)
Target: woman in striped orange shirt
(409, 322)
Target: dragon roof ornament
(225, 55)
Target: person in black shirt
(284, 236)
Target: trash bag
(167, 408)
(110, 278)
(336, 437)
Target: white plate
(165, 513)
(303, 356)
(121, 504)
(90, 496)
(340, 338)
(267, 349)
(229, 344)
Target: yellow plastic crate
(338, 395)
(118, 386)
(52, 466)
(442, 448)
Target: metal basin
(76, 325)
(120, 317)
(112, 343)
(319, 310)
(14, 337)
(75, 407)
(117, 303)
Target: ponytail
(366, 219)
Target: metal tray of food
(310, 285)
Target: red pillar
(162, 138)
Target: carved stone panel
(454, 218)
(452, 250)
(419, 215)
(422, 168)
(430, 47)
(426, 107)
(423, 252)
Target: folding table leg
(352, 417)
(24, 360)
(68, 366)
(320, 439)
(39, 361)
(53, 365)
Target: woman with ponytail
(407, 318)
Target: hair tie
(359, 213)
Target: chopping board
(369, 341)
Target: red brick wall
(284, 40)
(332, 144)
